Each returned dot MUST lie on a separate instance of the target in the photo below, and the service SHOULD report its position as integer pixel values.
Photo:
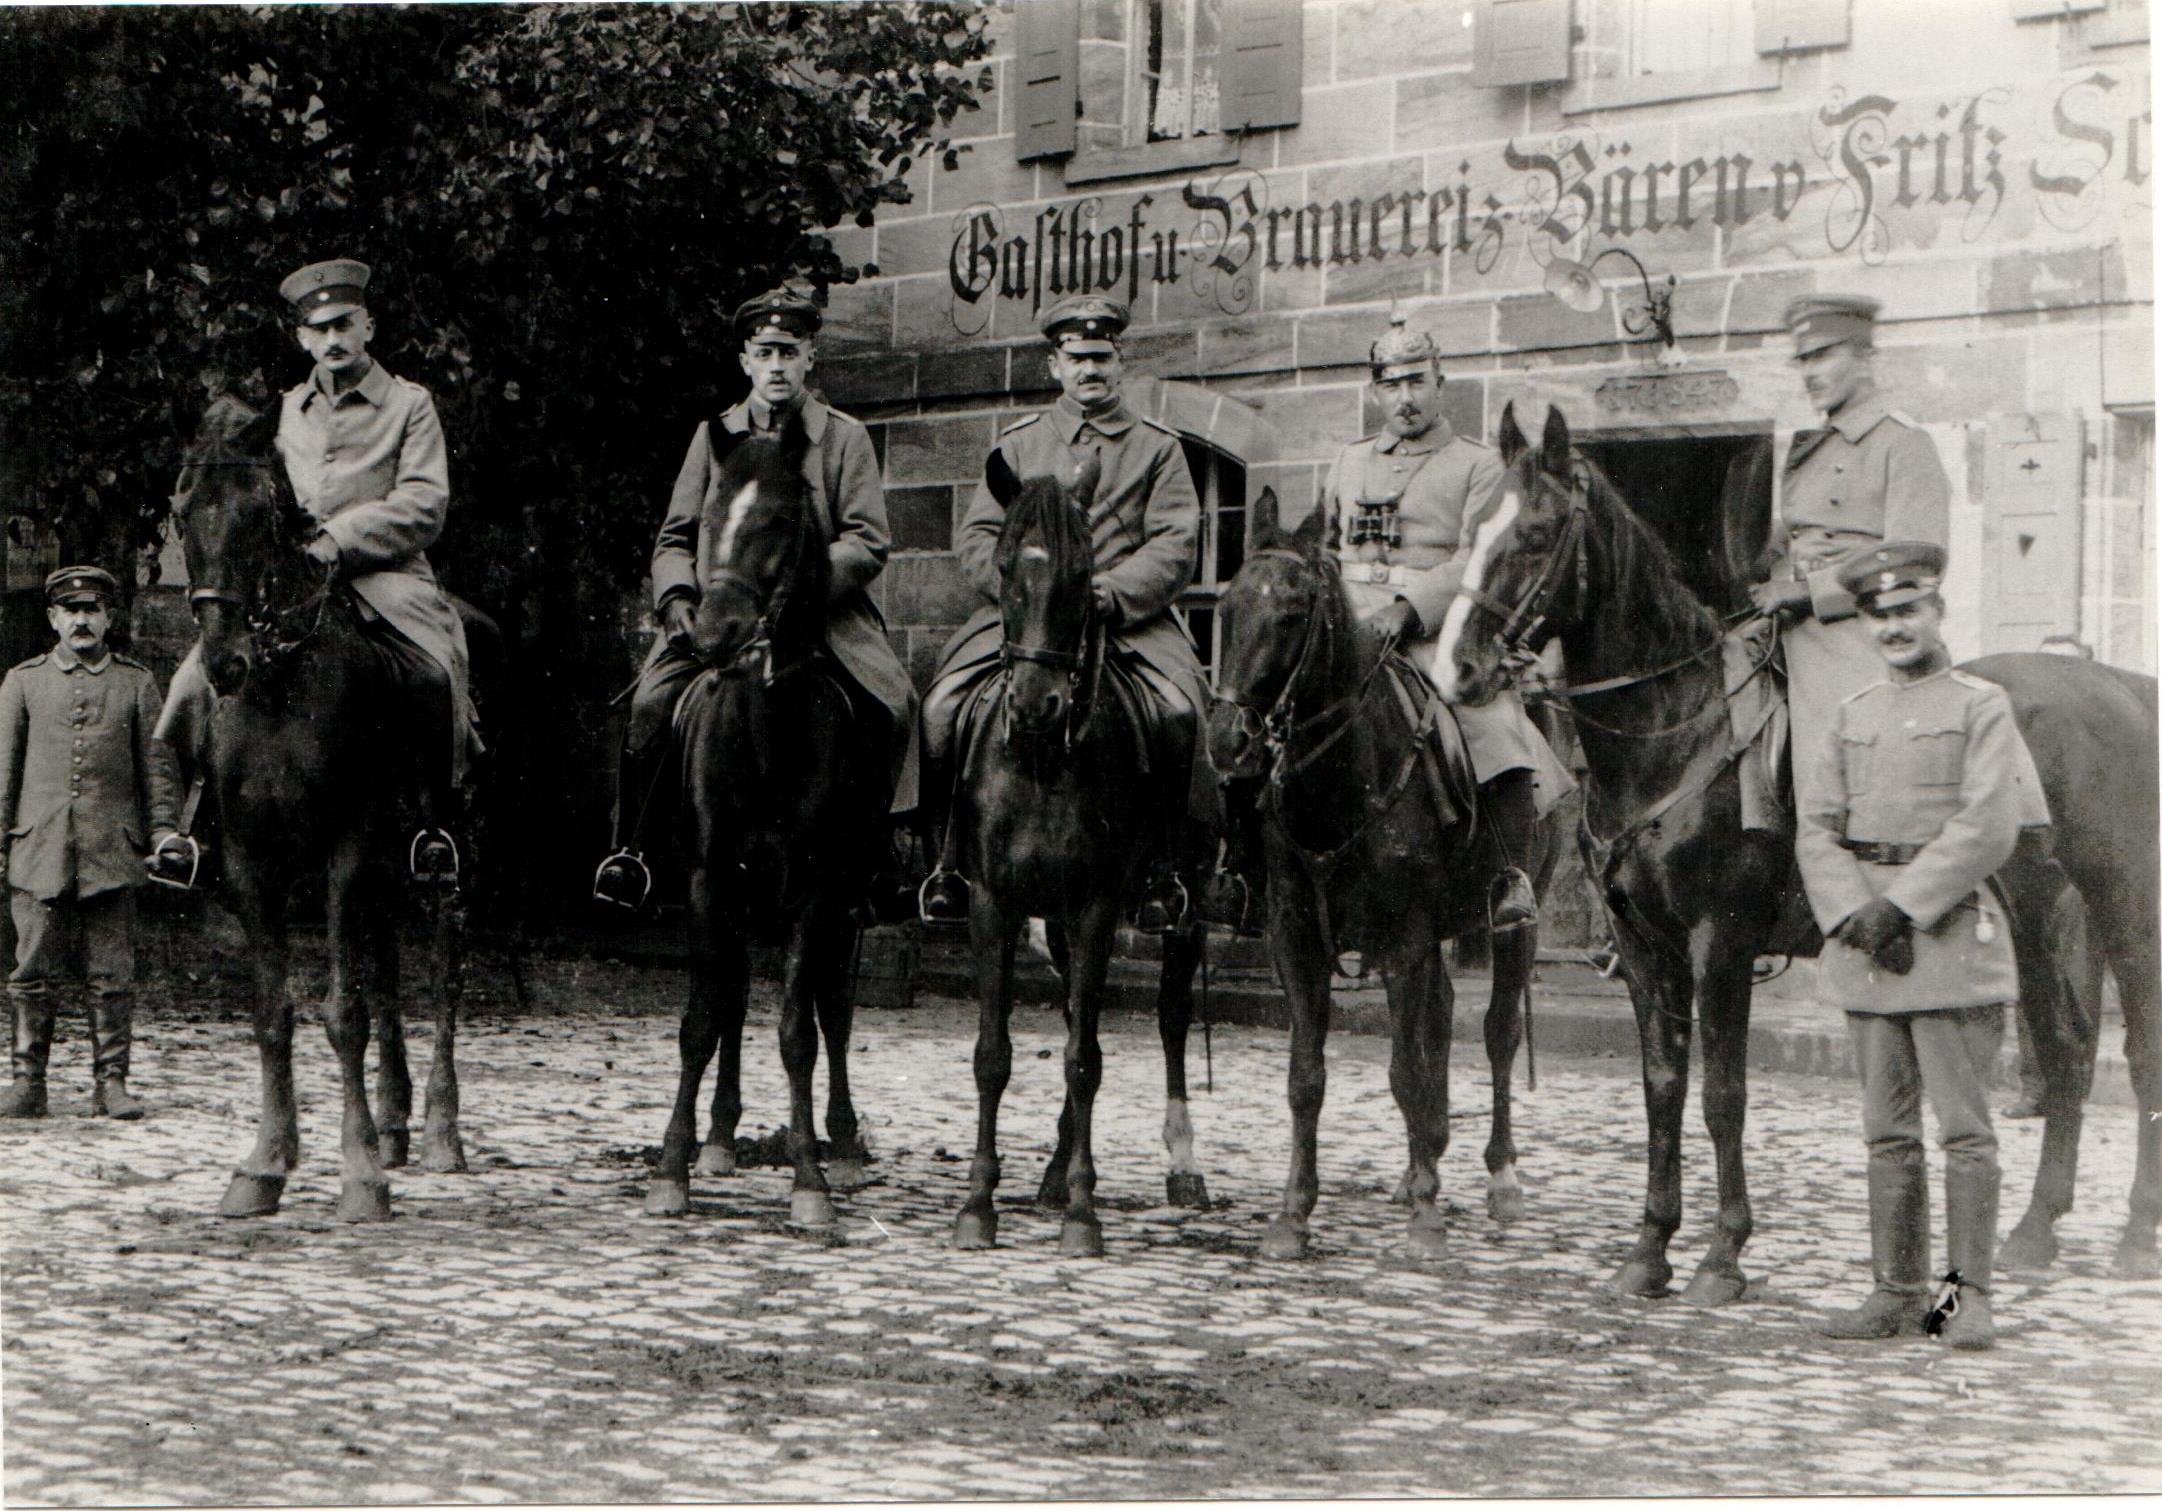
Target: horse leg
(717, 1156)
(442, 1147)
(259, 1184)
(992, 937)
(1081, 1234)
(810, 1200)
(1422, 1015)
(2134, 950)
(1722, 1001)
(1514, 953)
(393, 1075)
(364, 1195)
(2062, 1045)
(1659, 989)
(836, 1018)
(1051, 1190)
(719, 981)
(1302, 964)
(1185, 1185)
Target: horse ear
(1084, 487)
(1001, 479)
(1510, 439)
(1265, 529)
(1308, 536)
(1554, 444)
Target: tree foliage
(562, 206)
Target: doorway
(1707, 495)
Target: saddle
(1757, 715)
(1119, 686)
(1444, 760)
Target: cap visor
(1892, 598)
(323, 314)
(1087, 346)
(1389, 370)
(91, 600)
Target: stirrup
(194, 853)
(1178, 916)
(923, 895)
(447, 878)
(1530, 920)
(623, 862)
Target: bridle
(268, 626)
(757, 651)
(1523, 620)
(1082, 667)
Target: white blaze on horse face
(1483, 543)
(724, 554)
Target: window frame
(1214, 471)
(1758, 73)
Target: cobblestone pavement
(522, 1333)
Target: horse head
(1523, 579)
(240, 536)
(1286, 601)
(763, 565)
(1046, 564)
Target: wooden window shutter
(2030, 530)
(1047, 64)
(1520, 42)
(1792, 25)
(1262, 63)
(2042, 10)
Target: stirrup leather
(194, 852)
(412, 858)
(636, 863)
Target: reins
(268, 625)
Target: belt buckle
(1377, 571)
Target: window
(1174, 92)
(1687, 36)
(1638, 52)
(1221, 482)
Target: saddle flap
(1757, 718)
(1445, 759)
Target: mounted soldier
(1401, 506)
(1145, 522)
(778, 331)
(365, 455)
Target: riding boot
(624, 880)
(1970, 1220)
(1898, 1256)
(33, 1042)
(1165, 906)
(1511, 810)
(112, 1036)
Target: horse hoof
(2137, 1261)
(668, 1198)
(1284, 1240)
(364, 1201)
(716, 1161)
(444, 1156)
(811, 1209)
(1708, 1287)
(1081, 1238)
(1186, 1188)
(252, 1195)
(2028, 1248)
(396, 1148)
(1429, 1239)
(976, 1230)
(1641, 1278)
(1505, 1203)
(847, 1175)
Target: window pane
(1688, 36)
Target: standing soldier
(1403, 503)
(777, 330)
(80, 790)
(364, 452)
(1916, 804)
(1145, 521)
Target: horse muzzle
(1235, 745)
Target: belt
(1882, 852)
(1395, 574)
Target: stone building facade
(1263, 179)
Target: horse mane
(1042, 510)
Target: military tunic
(1434, 486)
(1145, 521)
(842, 470)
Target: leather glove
(679, 616)
(1870, 927)
(1398, 622)
(1897, 953)
(1107, 606)
(1788, 599)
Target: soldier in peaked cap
(1402, 505)
(1868, 475)
(365, 454)
(1145, 522)
(81, 791)
(1915, 806)
(777, 331)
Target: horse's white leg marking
(740, 505)
(1179, 1137)
(1504, 1179)
(1490, 530)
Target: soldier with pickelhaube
(778, 331)
(82, 792)
(1402, 505)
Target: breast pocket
(1858, 759)
(1936, 756)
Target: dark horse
(1695, 898)
(297, 761)
(785, 797)
(1054, 801)
(1358, 858)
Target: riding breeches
(1946, 1057)
(46, 931)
